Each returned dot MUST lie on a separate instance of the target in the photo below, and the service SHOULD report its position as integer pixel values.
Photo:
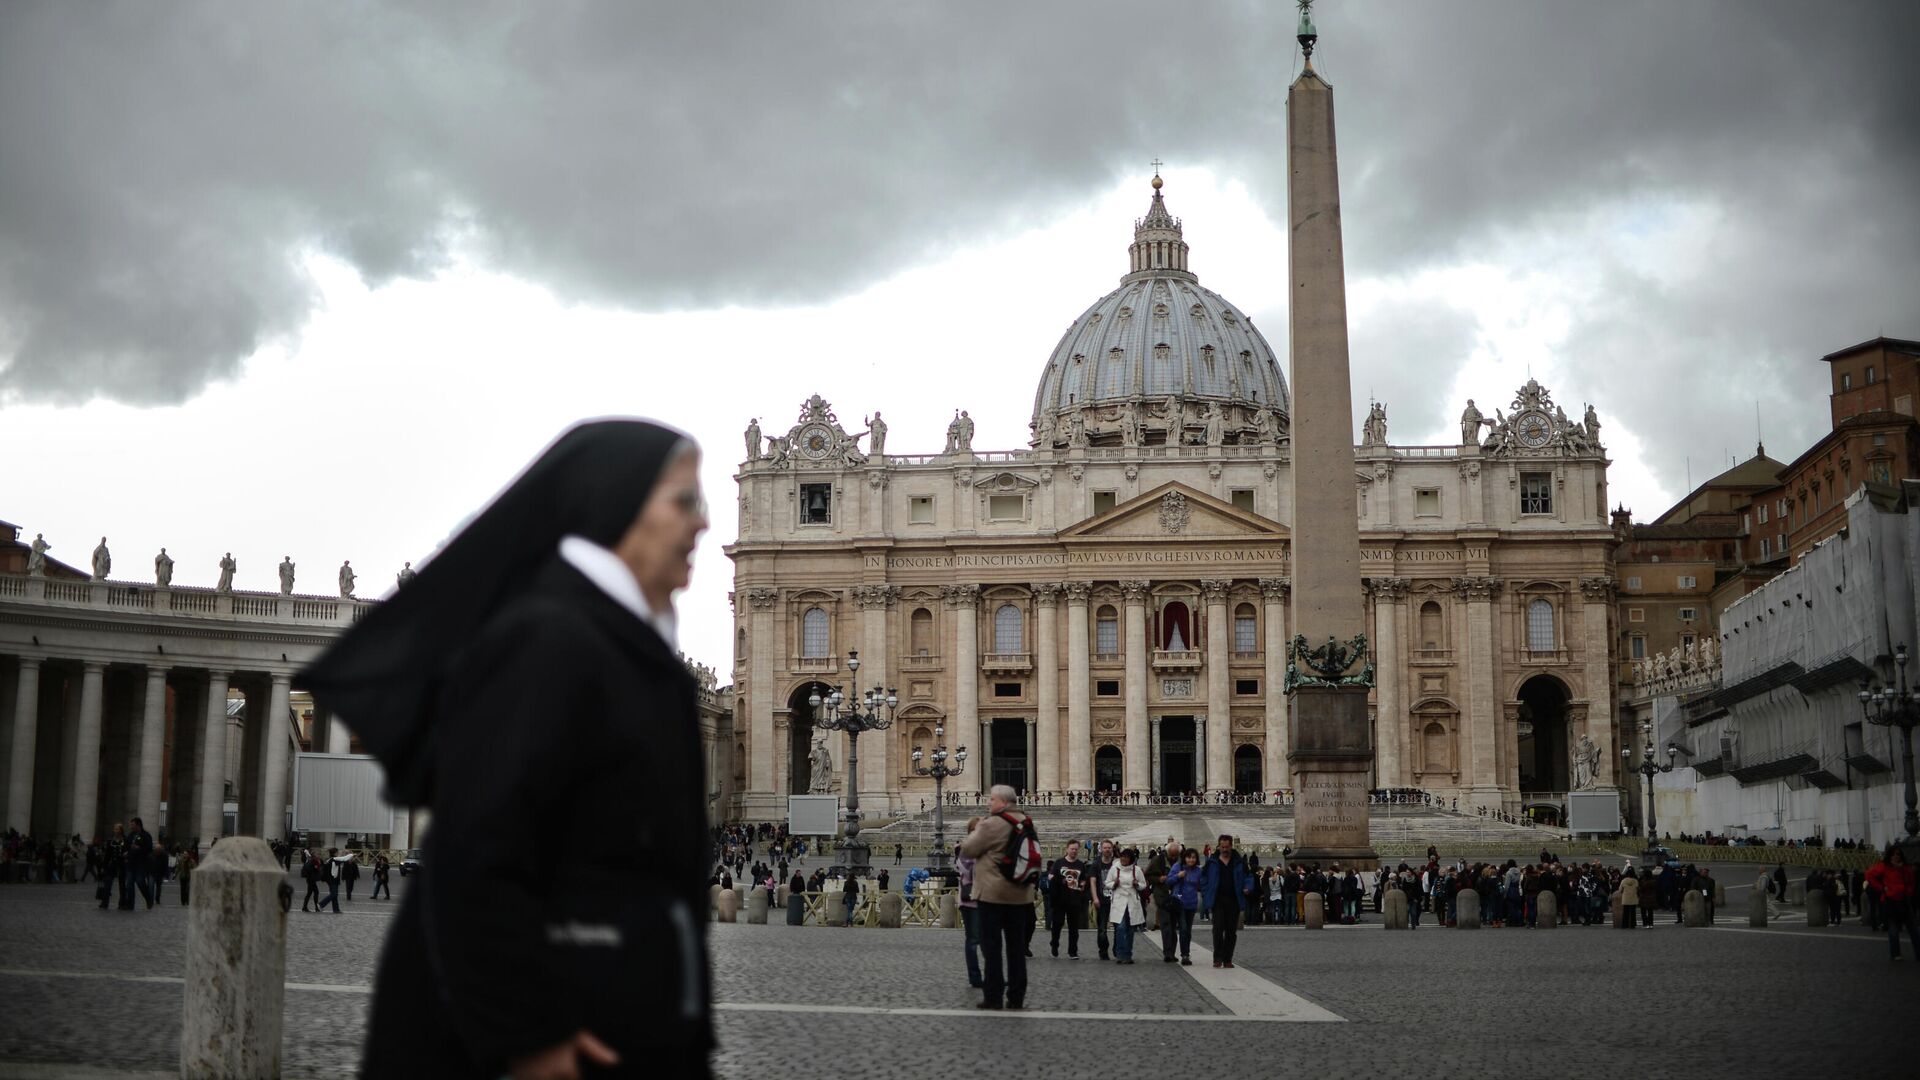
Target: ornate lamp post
(1888, 706)
(854, 714)
(938, 858)
(1650, 768)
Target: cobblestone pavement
(91, 993)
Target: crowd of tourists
(128, 858)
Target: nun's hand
(562, 1060)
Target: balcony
(1432, 656)
(1176, 660)
(815, 665)
(1240, 657)
(1543, 656)
(920, 662)
(1006, 663)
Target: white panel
(340, 793)
(813, 815)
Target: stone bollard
(757, 906)
(1719, 895)
(1467, 917)
(1316, 911)
(780, 897)
(236, 963)
(1757, 909)
(1546, 913)
(713, 902)
(836, 906)
(1693, 908)
(890, 910)
(1796, 892)
(1393, 907)
(727, 905)
(949, 909)
(1817, 912)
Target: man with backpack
(1007, 854)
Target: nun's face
(658, 547)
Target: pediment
(1191, 514)
(1005, 481)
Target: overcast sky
(317, 279)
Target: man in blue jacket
(1225, 886)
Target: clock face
(1534, 429)
(816, 441)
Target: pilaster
(1219, 741)
(1134, 594)
(1388, 623)
(1274, 594)
(1046, 690)
(1079, 748)
(764, 755)
(964, 602)
(1481, 775)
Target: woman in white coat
(1126, 884)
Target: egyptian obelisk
(1330, 665)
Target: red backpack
(1019, 862)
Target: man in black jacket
(139, 860)
(1070, 892)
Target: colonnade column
(1159, 756)
(1274, 593)
(273, 757)
(1219, 745)
(153, 738)
(1033, 754)
(1134, 594)
(763, 757)
(1201, 772)
(26, 730)
(1482, 710)
(1391, 727)
(964, 602)
(85, 788)
(1079, 749)
(213, 760)
(1598, 592)
(1046, 612)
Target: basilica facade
(1108, 608)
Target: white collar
(605, 570)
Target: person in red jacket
(1893, 880)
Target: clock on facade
(816, 441)
(1534, 428)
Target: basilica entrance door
(1009, 760)
(1179, 772)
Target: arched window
(1176, 627)
(1436, 752)
(1006, 629)
(740, 644)
(1106, 630)
(813, 633)
(1246, 632)
(920, 632)
(1540, 626)
(1433, 636)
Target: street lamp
(853, 713)
(1886, 706)
(940, 770)
(1650, 768)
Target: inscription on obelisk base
(1331, 757)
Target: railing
(815, 665)
(188, 600)
(919, 662)
(202, 603)
(13, 586)
(70, 591)
(1426, 451)
(1106, 658)
(1009, 662)
(1245, 657)
(129, 597)
(1433, 656)
(1176, 659)
(256, 605)
(1543, 656)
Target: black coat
(568, 850)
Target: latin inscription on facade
(1139, 556)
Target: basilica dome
(1161, 359)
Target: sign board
(1593, 811)
(340, 793)
(813, 815)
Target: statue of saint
(1586, 763)
(102, 561)
(1216, 424)
(346, 580)
(163, 569)
(37, 554)
(821, 781)
(1374, 432)
(1592, 424)
(1470, 422)
(227, 567)
(753, 439)
(964, 440)
(286, 576)
(876, 435)
(1076, 428)
(405, 577)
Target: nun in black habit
(525, 687)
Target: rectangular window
(1536, 493)
(1633, 583)
(1780, 509)
(1846, 380)
(1245, 634)
(1763, 513)
(1426, 502)
(1102, 501)
(1246, 687)
(1870, 375)
(1106, 688)
(1106, 636)
(1243, 499)
(816, 504)
(1637, 647)
(1006, 507)
(1687, 581)
(1006, 689)
(1687, 614)
(1635, 614)
(1540, 626)
(1880, 439)
(1766, 547)
(920, 509)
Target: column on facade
(274, 750)
(1274, 593)
(1390, 750)
(1483, 709)
(1033, 753)
(1159, 757)
(878, 776)
(1134, 596)
(1079, 748)
(1046, 687)
(1219, 744)
(26, 730)
(763, 759)
(1599, 594)
(213, 760)
(85, 786)
(151, 741)
(1201, 772)
(964, 602)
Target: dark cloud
(163, 169)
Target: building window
(1636, 614)
(813, 633)
(1243, 499)
(1006, 507)
(1880, 439)
(1766, 547)
(920, 510)
(1106, 631)
(740, 644)
(1426, 502)
(816, 504)
(1870, 375)
(1633, 583)
(1006, 689)
(1536, 493)
(1436, 751)
(1687, 581)
(1102, 501)
(1246, 687)
(1687, 614)
(1762, 509)
(1006, 629)
(1245, 630)
(1432, 627)
(920, 632)
(1846, 380)
(1540, 626)
(1176, 627)
(1637, 647)
(1106, 688)
(1780, 509)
